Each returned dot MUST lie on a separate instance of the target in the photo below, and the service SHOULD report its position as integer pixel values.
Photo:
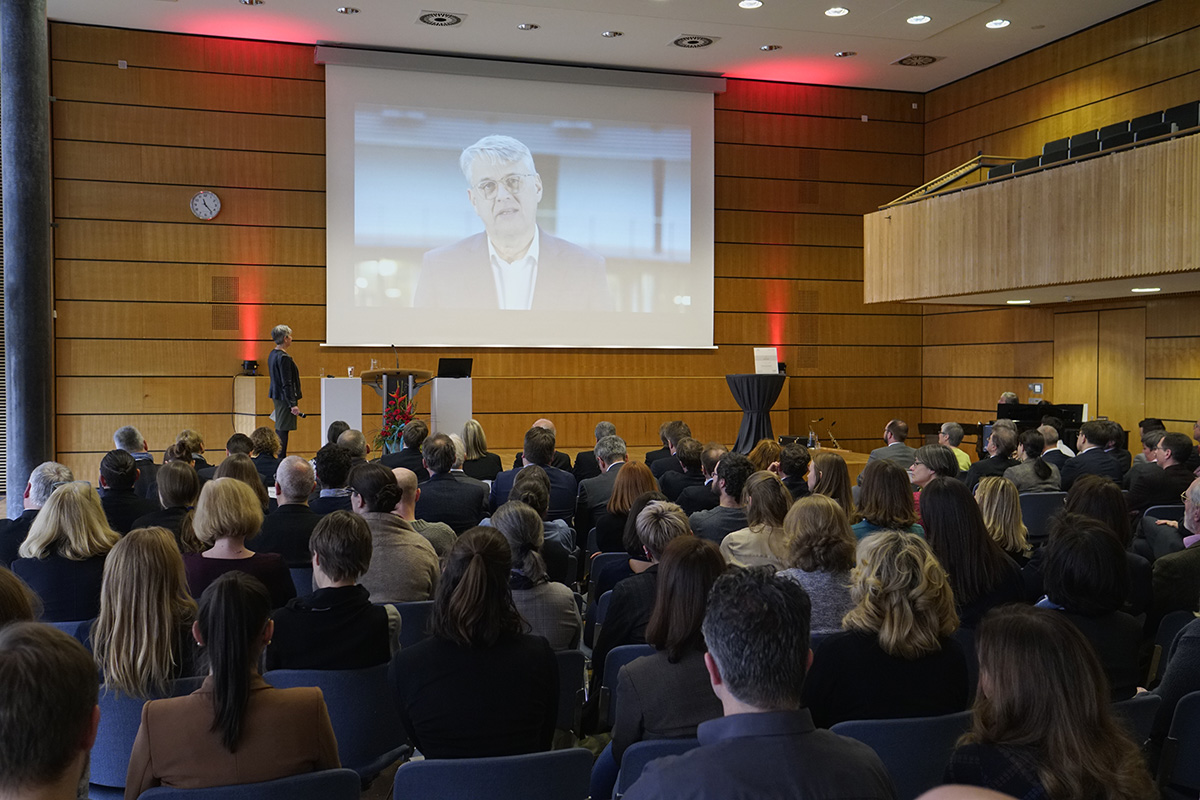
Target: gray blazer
(1027, 481)
(660, 700)
(899, 452)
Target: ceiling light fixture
(1147, 289)
(251, 2)
(750, 4)
(528, 26)
(612, 34)
(836, 11)
(768, 48)
(347, 10)
(845, 53)
(1018, 302)
(997, 23)
(919, 19)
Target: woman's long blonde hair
(71, 524)
(144, 601)
(1000, 504)
(902, 594)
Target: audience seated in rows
(336, 626)
(331, 468)
(677, 430)
(885, 501)
(478, 686)
(1001, 445)
(980, 573)
(703, 496)
(479, 463)
(632, 480)
(235, 728)
(1164, 486)
(43, 480)
(593, 493)
(1177, 576)
(444, 498)
(896, 657)
(122, 505)
(1042, 724)
(130, 440)
(538, 450)
(1092, 460)
(227, 515)
(404, 565)
(586, 465)
(439, 534)
(548, 607)
(728, 515)
(830, 477)
(409, 454)
(765, 745)
(821, 552)
(1000, 504)
(178, 491)
(142, 637)
(286, 529)
(558, 460)
(1033, 473)
(762, 541)
(792, 469)
(62, 558)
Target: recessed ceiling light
(767, 48)
(252, 2)
(612, 34)
(750, 4)
(347, 10)
(997, 23)
(1147, 289)
(1018, 302)
(845, 53)
(919, 19)
(528, 26)
(836, 11)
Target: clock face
(206, 205)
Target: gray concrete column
(28, 297)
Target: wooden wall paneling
(851, 134)
(801, 296)
(826, 230)
(1172, 358)
(1076, 354)
(978, 392)
(152, 395)
(1173, 316)
(138, 281)
(991, 360)
(853, 361)
(92, 433)
(145, 202)
(795, 196)
(987, 326)
(818, 328)
(818, 262)
(1121, 370)
(185, 243)
(180, 321)
(1174, 400)
(827, 101)
(812, 164)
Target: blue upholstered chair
(639, 754)
(554, 775)
(330, 784)
(915, 751)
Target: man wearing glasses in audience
(513, 265)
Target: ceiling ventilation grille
(913, 60)
(441, 19)
(692, 41)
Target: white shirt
(1069, 452)
(515, 280)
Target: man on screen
(513, 264)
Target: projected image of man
(513, 264)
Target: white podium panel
(450, 405)
(341, 398)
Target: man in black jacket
(1092, 460)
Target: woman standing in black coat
(285, 385)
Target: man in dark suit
(662, 452)
(1092, 460)
(1000, 447)
(894, 434)
(1177, 576)
(559, 460)
(1145, 464)
(676, 430)
(673, 483)
(1052, 454)
(131, 441)
(704, 496)
(287, 529)
(443, 498)
(513, 264)
(45, 478)
(1162, 487)
(118, 474)
(409, 455)
(538, 451)
(586, 465)
(331, 466)
(594, 492)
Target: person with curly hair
(820, 556)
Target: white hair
(495, 149)
(279, 333)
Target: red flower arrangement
(400, 411)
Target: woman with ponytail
(480, 686)
(1033, 474)
(548, 608)
(235, 728)
(404, 566)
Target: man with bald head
(559, 460)
(439, 534)
(287, 529)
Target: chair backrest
(330, 784)
(639, 754)
(1027, 163)
(1162, 129)
(996, 172)
(1036, 510)
(572, 666)
(1057, 146)
(1184, 116)
(1170, 511)
(601, 560)
(120, 717)
(915, 751)
(1179, 766)
(556, 775)
(414, 621)
(71, 628)
(617, 658)
(1112, 130)
(362, 708)
(1116, 140)
(302, 577)
(1084, 138)
(1137, 714)
(1145, 121)
(602, 606)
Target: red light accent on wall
(250, 319)
(776, 306)
(248, 23)
(811, 69)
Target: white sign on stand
(766, 361)
(341, 398)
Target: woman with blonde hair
(761, 542)
(62, 558)
(765, 453)
(479, 464)
(829, 476)
(634, 479)
(178, 491)
(1043, 724)
(228, 513)
(142, 639)
(1000, 504)
(240, 467)
(896, 657)
(820, 555)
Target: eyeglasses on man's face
(513, 183)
